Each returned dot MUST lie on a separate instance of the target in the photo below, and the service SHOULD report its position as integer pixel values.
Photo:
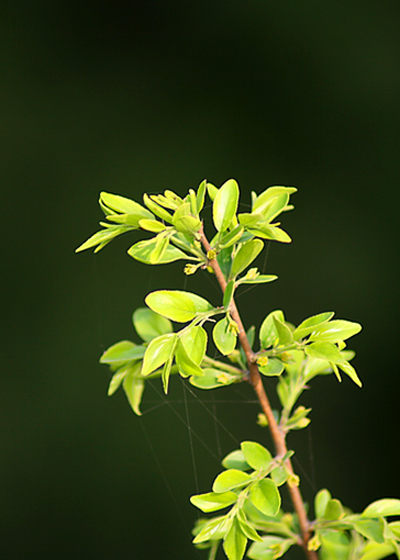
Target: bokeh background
(130, 97)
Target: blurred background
(143, 96)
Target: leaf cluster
(175, 329)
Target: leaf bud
(314, 543)
(190, 269)
(293, 480)
(262, 420)
(262, 361)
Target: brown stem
(255, 379)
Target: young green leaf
(279, 475)
(224, 338)
(134, 387)
(158, 352)
(270, 548)
(272, 201)
(384, 507)
(299, 419)
(268, 331)
(143, 251)
(334, 545)
(194, 341)
(268, 231)
(161, 245)
(229, 480)
(228, 294)
(200, 196)
(325, 351)
(250, 220)
(256, 278)
(186, 365)
(225, 205)
(284, 333)
(101, 238)
(231, 237)
(236, 460)
(117, 379)
(320, 502)
(214, 529)
(265, 497)
(212, 501)
(245, 256)
(177, 305)
(152, 225)
(256, 455)
(212, 379)
(235, 542)
(212, 191)
(156, 209)
(184, 221)
(351, 372)
(372, 529)
(335, 331)
(273, 368)
(333, 510)
(122, 205)
(307, 326)
(271, 207)
(149, 324)
(246, 527)
(166, 372)
(122, 352)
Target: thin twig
(255, 379)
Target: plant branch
(255, 379)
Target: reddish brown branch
(255, 379)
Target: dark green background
(134, 97)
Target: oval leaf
(268, 332)
(134, 387)
(149, 324)
(186, 365)
(284, 333)
(265, 497)
(245, 256)
(143, 251)
(307, 326)
(225, 205)
(224, 339)
(334, 331)
(256, 455)
(236, 460)
(373, 529)
(214, 529)
(320, 502)
(273, 368)
(194, 341)
(228, 294)
(123, 205)
(122, 352)
(212, 378)
(158, 352)
(230, 479)
(333, 510)
(213, 501)
(384, 507)
(235, 542)
(176, 305)
(325, 351)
